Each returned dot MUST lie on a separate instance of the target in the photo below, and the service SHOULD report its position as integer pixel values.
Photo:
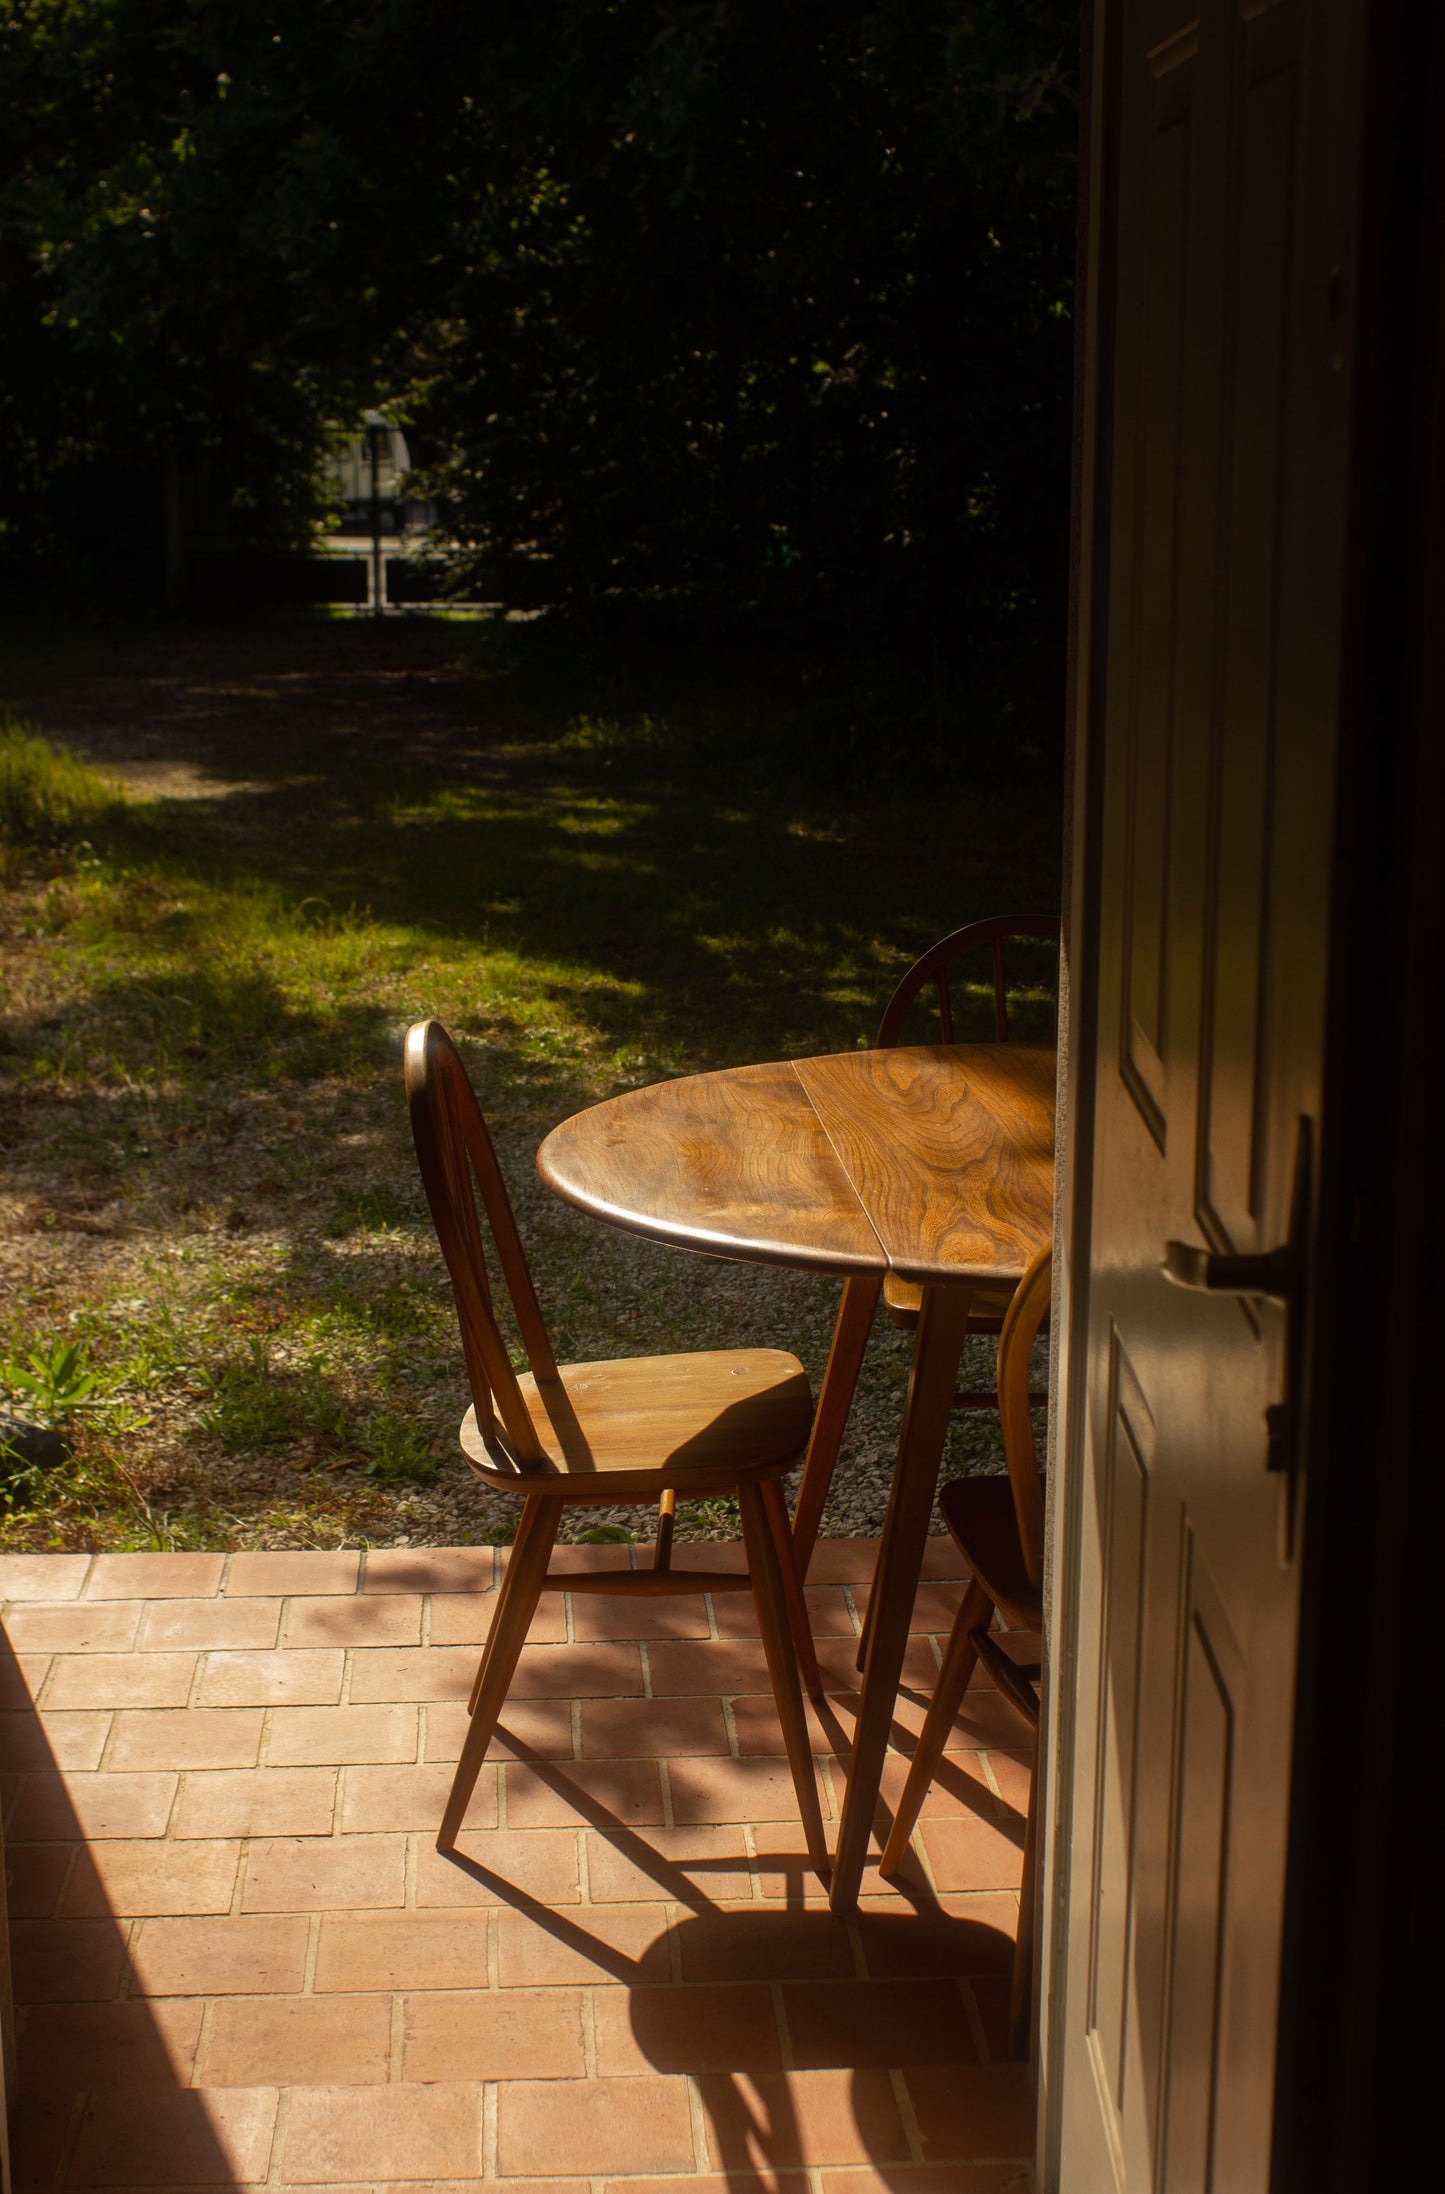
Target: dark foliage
(751, 310)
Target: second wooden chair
(728, 1421)
(997, 1525)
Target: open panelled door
(1218, 400)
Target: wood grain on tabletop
(736, 1163)
(949, 1148)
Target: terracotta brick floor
(240, 1960)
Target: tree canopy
(696, 300)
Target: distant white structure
(369, 474)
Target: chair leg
(959, 1662)
(802, 1629)
(531, 1552)
(769, 1599)
(845, 1361)
(1022, 1985)
(499, 1616)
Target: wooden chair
(902, 1299)
(730, 1421)
(998, 1527)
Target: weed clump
(48, 796)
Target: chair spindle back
(992, 932)
(458, 1163)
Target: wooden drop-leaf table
(935, 1163)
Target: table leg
(835, 1399)
(937, 1350)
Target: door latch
(1276, 1276)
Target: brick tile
(54, 1807)
(387, 1950)
(958, 1790)
(626, 1943)
(708, 2182)
(743, 1944)
(337, 2133)
(133, 2044)
(39, 2133)
(140, 1879)
(991, 1994)
(30, 1740)
(791, 2118)
(942, 1558)
(594, 2125)
(935, 1605)
(573, 1558)
(304, 1736)
(280, 1574)
(430, 1569)
(877, 2022)
(995, 2178)
(352, 1619)
(258, 1801)
(832, 1724)
(838, 1661)
(535, 1728)
(829, 1615)
(184, 2138)
(42, 1576)
(734, 1790)
(412, 1673)
(66, 1961)
(580, 1671)
(693, 1866)
(1013, 1772)
(154, 1576)
(964, 1937)
(598, 1616)
(987, 1719)
(463, 1618)
(21, 1677)
(693, 2029)
(496, 2034)
(549, 2185)
(626, 1793)
(411, 1797)
(256, 2041)
(77, 1627)
(844, 1561)
(272, 1679)
(721, 1667)
(325, 1874)
(620, 1729)
(34, 1877)
(972, 2110)
(970, 1854)
(541, 1863)
(171, 1625)
(196, 1738)
(225, 1957)
(121, 1679)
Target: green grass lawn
(296, 838)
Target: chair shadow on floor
(790, 1946)
(99, 2087)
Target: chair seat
(987, 1304)
(698, 1423)
(980, 1515)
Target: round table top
(935, 1162)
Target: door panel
(1223, 404)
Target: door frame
(1359, 1899)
